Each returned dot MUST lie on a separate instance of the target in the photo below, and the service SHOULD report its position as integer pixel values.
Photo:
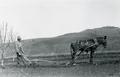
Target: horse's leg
(91, 56)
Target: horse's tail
(72, 50)
(71, 55)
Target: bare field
(105, 65)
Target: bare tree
(12, 39)
(6, 38)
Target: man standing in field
(20, 53)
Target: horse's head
(102, 41)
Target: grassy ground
(106, 65)
(81, 70)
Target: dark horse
(89, 45)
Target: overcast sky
(48, 18)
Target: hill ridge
(61, 44)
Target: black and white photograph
(59, 38)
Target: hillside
(60, 44)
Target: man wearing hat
(20, 53)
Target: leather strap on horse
(89, 46)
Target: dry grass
(106, 65)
